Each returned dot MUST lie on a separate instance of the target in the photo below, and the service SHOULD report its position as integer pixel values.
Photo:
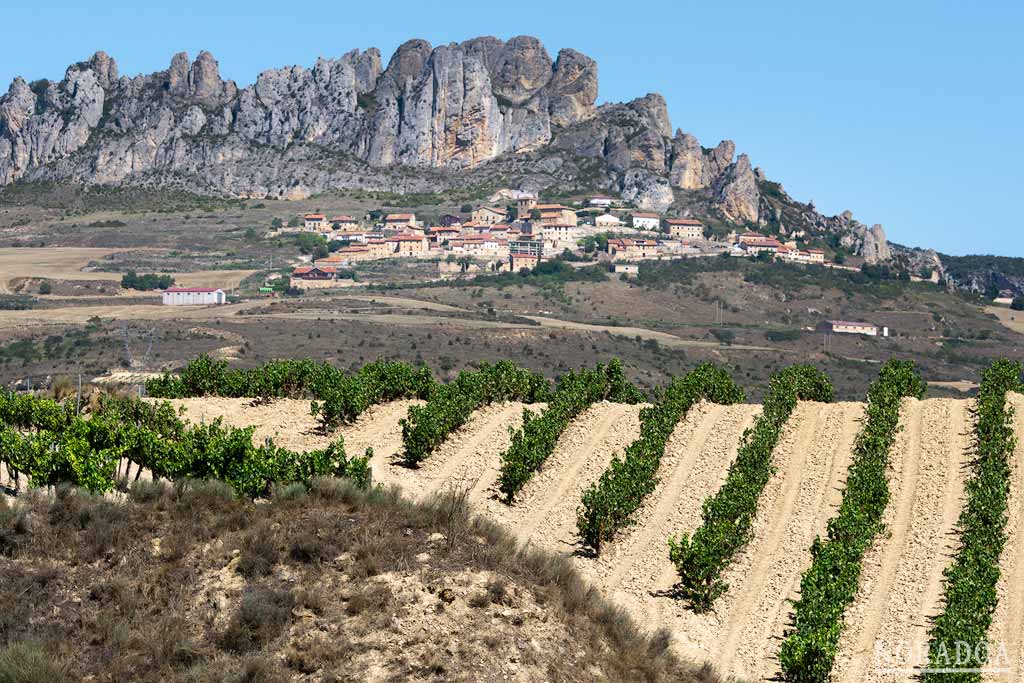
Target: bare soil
(901, 585)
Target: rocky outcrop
(696, 168)
(736, 191)
(649, 192)
(433, 117)
(874, 246)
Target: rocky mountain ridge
(432, 119)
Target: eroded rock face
(693, 167)
(874, 246)
(447, 111)
(453, 106)
(737, 192)
(648, 191)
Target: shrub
(608, 504)
(24, 662)
(728, 515)
(260, 619)
(132, 280)
(450, 405)
(830, 584)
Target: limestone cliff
(434, 117)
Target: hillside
(190, 584)
(479, 116)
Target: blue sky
(908, 113)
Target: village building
(344, 223)
(629, 269)
(408, 245)
(685, 228)
(601, 201)
(312, 277)
(646, 221)
(378, 247)
(441, 234)
(400, 221)
(753, 247)
(607, 220)
(349, 236)
(524, 254)
(315, 222)
(448, 220)
(749, 237)
(549, 214)
(525, 203)
(556, 214)
(846, 327)
(499, 230)
(193, 296)
(478, 245)
(489, 215)
(632, 250)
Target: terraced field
(901, 586)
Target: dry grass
(188, 583)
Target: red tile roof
(398, 217)
(314, 216)
(683, 221)
(646, 215)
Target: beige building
(632, 250)
(344, 223)
(607, 220)
(315, 222)
(685, 228)
(524, 254)
(400, 221)
(489, 215)
(409, 245)
(550, 214)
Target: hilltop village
(494, 239)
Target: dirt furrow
(810, 458)
(379, 428)
(545, 512)
(901, 584)
(287, 421)
(697, 460)
(470, 455)
(1007, 630)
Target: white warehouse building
(193, 296)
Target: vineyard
(800, 540)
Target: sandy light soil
(901, 585)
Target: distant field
(55, 263)
(67, 263)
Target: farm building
(627, 268)
(845, 327)
(193, 296)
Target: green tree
(1017, 304)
